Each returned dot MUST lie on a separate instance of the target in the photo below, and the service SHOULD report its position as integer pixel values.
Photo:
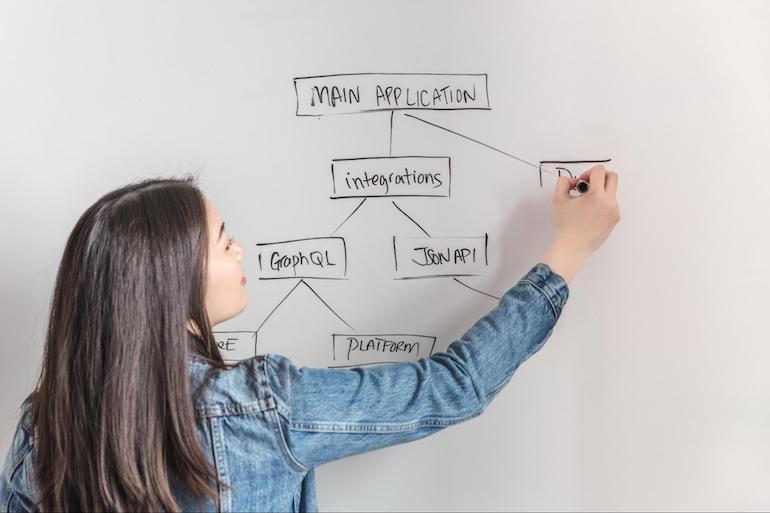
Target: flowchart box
(366, 92)
(317, 257)
(236, 345)
(430, 257)
(377, 177)
(353, 350)
(569, 168)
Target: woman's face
(225, 290)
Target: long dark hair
(113, 410)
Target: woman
(135, 409)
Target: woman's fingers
(612, 183)
(597, 178)
(597, 175)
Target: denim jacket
(266, 424)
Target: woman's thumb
(561, 192)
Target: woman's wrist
(563, 261)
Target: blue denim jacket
(267, 424)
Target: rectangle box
(236, 345)
(367, 92)
(318, 257)
(391, 177)
(353, 350)
(423, 257)
(569, 168)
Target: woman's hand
(584, 222)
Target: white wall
(653, 392)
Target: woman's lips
(243, 281)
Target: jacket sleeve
(327, 414)
(15, 488)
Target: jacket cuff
(551, 284)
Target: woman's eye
(230, 241)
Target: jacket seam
(234, 409)
(380, 427)
(291, 459)
(276, 398)
(209, 421)
(223, 466)
(280, 405)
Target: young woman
(135, 409)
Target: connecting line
(390, 152)
(351, 215)
(303, 282)
(327, 306)
(476, 290)
(407, 215)
(279, 304)
(541, 168)
(426, 233)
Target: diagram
(384, 178)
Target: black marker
(581, 186)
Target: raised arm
(327, 414)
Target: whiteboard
(652, 392)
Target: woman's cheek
(229, 276)
(233, 274)
(215, 277)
